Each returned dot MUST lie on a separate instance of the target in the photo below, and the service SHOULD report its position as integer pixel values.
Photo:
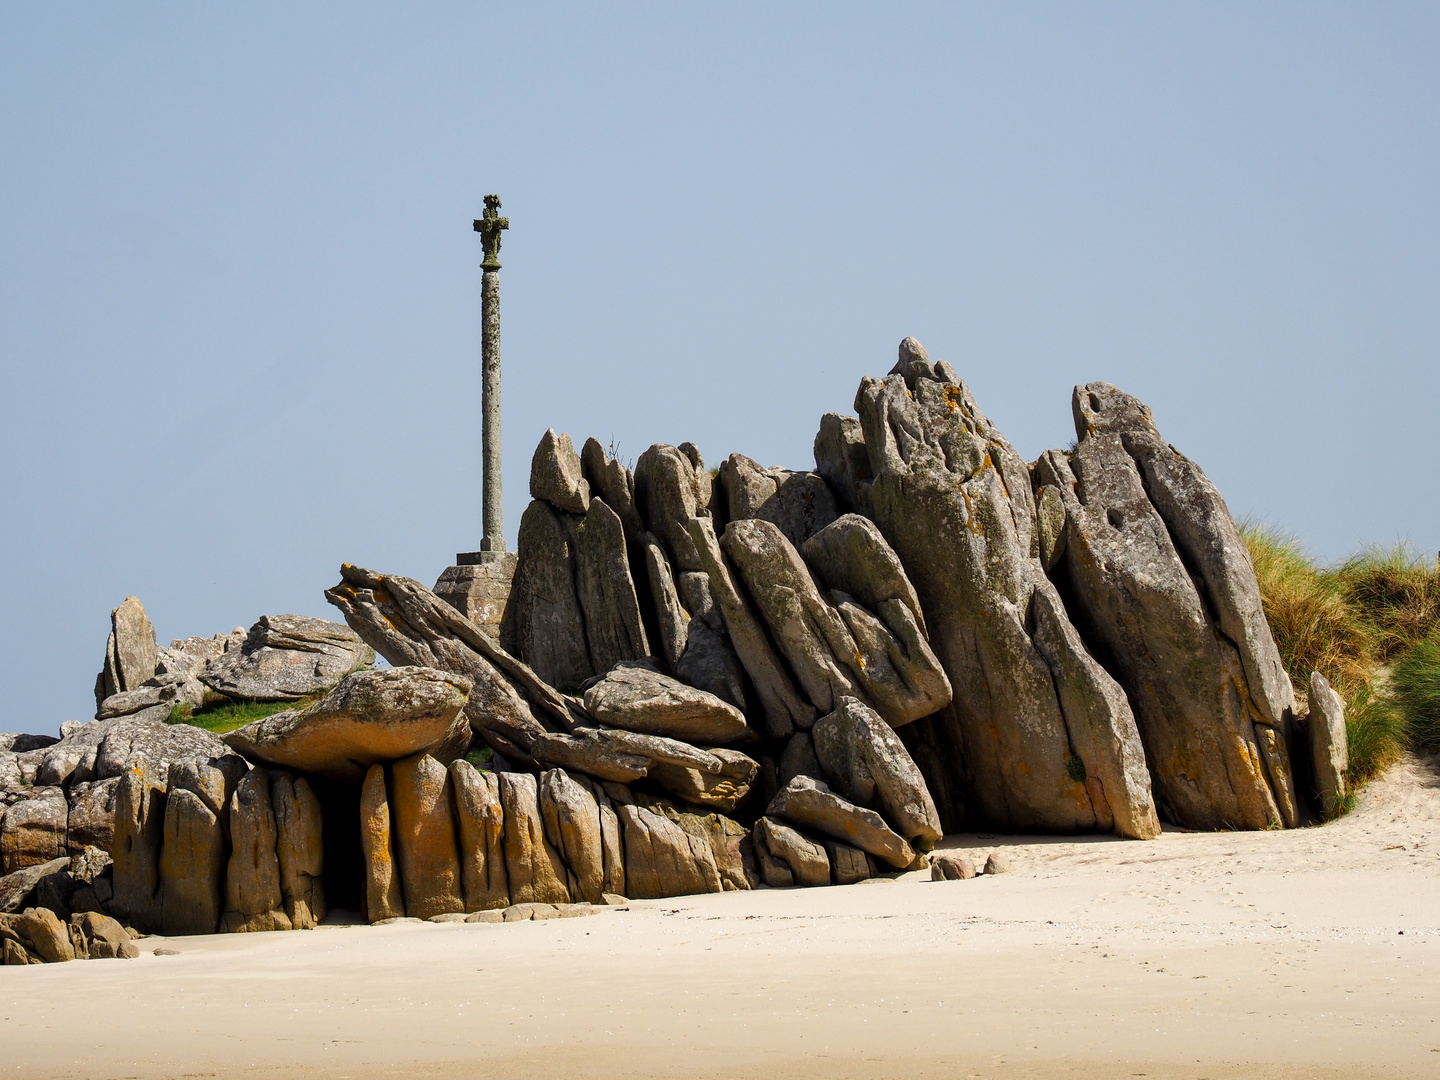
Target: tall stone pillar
(479, 585)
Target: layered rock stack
(704, 681)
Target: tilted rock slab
(131, 651)
(787, 857)
(723, 790)
(572, 828)
(1214, 710)
(613, 628)
(869, 765)
(636, 697)
(810, 803)
(671, 488)
(543, 624)
(480, 820)
(16, 888)
(383, 898)
(1329, 748)
(371, 716)
(288, 657)
(409, 624)
(535, 870)
(662, 859)
(851, 555)
(953, 500)
(555, 474)
(837, 649)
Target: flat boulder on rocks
(34, 831)
(288, 657)
(16, 887)
(370, 717)
(810, 803)
(637, 697)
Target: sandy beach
(1310, 953)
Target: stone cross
(490, 226)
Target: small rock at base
(527, 912)
(998, 863)
(396, 919)
(448, 916)
(485, 917)
(167, 952)
(613, 899)
(951, 868)
(575, 911)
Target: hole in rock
(344, 873)
(1116, 518)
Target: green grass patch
(226, 714)
(480, 756)
(1372, 627)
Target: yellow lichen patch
(860, 661)
(1249, 756)
(953, 398)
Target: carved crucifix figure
(490, 226)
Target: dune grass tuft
(1371, 626)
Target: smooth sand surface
(1312, 953)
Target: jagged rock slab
(836, 649)
(1329, 748)
(555, 474)
(129, 741)
(572, 828)
(371, 716)
(662, 859)
(408, 624)
(613, 629)
(723, 790)
(610, 480)
(851, 555)
(669, 491)
(784, 709)
(636, 697)
(810, 803)
(543, 624)
(253, 901)
(620, 756)
(16, 887)
(868, 764)
(953, 500)
(709, 663)
(671, 618)
(1215, 748)
(787, 857)
(288, 657)
(131, 651)
(799, 503)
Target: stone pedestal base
(479, 587)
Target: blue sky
(239, 293)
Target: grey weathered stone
(131, 740)
(804, 860)
(709, 663)
(555, 474)
(423, 831)
(618, 755)
(151, 701)
(1329, 748)
(20, 744)
(408, 624)
(671, 618)
(253, 900)
(668, 494)
(851, 555)
(613, 628)
(383, 898)
(130, 653)
(810, 803)
(953, 500)
(1050, 525)
(572, 829)
(1205, 721)
(798, 758)
(784, 709)
(33, 831)
(835, 649)
(843, 462)
(723, 790)
(535, 870)
(17, 887)
(662, 859)
(139, 834)
(371, 716)
(543, 624)
(288, 657)
(868, 764)
(848, 865)
(798, 503)
(611, 480)
(636, 697)
(480, 822)
(72, 760)
(299, 845)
